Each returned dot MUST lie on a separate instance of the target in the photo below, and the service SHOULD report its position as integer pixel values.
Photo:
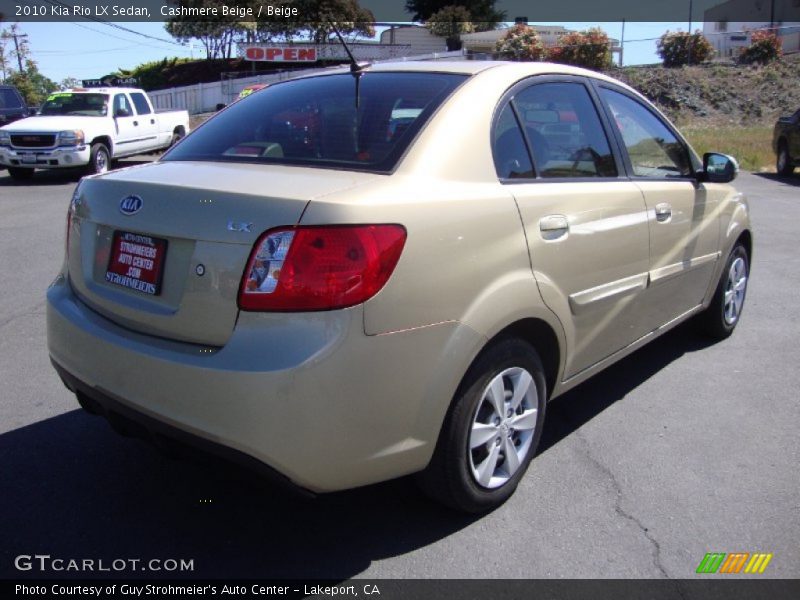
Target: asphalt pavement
(683, 448)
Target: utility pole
(16, 46)
(622, 44)
(689, 39)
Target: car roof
(515, 70)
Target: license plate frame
(136, 262)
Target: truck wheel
(784, 163)
(491, 431)
(99, 159)
(176, 137)
(20, 174)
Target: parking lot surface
(683, 448)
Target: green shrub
(764, 48)
(590, 49)
(682, 48)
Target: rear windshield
(314, 122)
(68, 103)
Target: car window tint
(315, 122)
(653, 149)
(140, 102)
(121, 104)
(511, 158)
(564, 131)
(8, 99)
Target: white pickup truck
(88, 128)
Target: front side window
(653, 149)
(564, 131)
(315, 121)
(122, 107)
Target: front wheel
(491, 431)
(723, 314)
(20, 174)
(784, 162)
(99, 159)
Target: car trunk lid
(161, 249)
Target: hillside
(720, 94)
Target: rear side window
(9, 99)
(315, 122)
(653, 149)
(511, 158)
(564, 131)
(140, 102)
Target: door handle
(152, 121)
(136, 123)
(553, 227)
(663, 212)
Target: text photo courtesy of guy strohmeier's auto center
(365, 297)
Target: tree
(590, 49)
(682, 48)
(33, 86)
(764, 47)
(216, 35)
(450, 22)
(314, 22)
(520, 43)
(69, 82)
(483, 15)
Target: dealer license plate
(137, 262)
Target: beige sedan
(347, 278)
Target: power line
(117, 26)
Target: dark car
(12, 105)
(786, 143)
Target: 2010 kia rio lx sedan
(349, 283)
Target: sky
(86, 50)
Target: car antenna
(356, 68)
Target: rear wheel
(99, 159)
(491, 431)
(783, 164)
(176, 137)
(721, 317)
(20, 174)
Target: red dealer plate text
(137, 262)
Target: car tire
(20, 174)
(99, 160)
(723, 314)
(783, 164)
(176, 137)
(472, 469)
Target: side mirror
(220, 106)
(719, 168)
(121, 112)
(32, 110)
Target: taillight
(73, 203)
(319, 268)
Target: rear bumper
(308, 395)
(45, 158)
(136, 424)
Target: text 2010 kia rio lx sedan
(345, 284)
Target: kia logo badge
(130, 205)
